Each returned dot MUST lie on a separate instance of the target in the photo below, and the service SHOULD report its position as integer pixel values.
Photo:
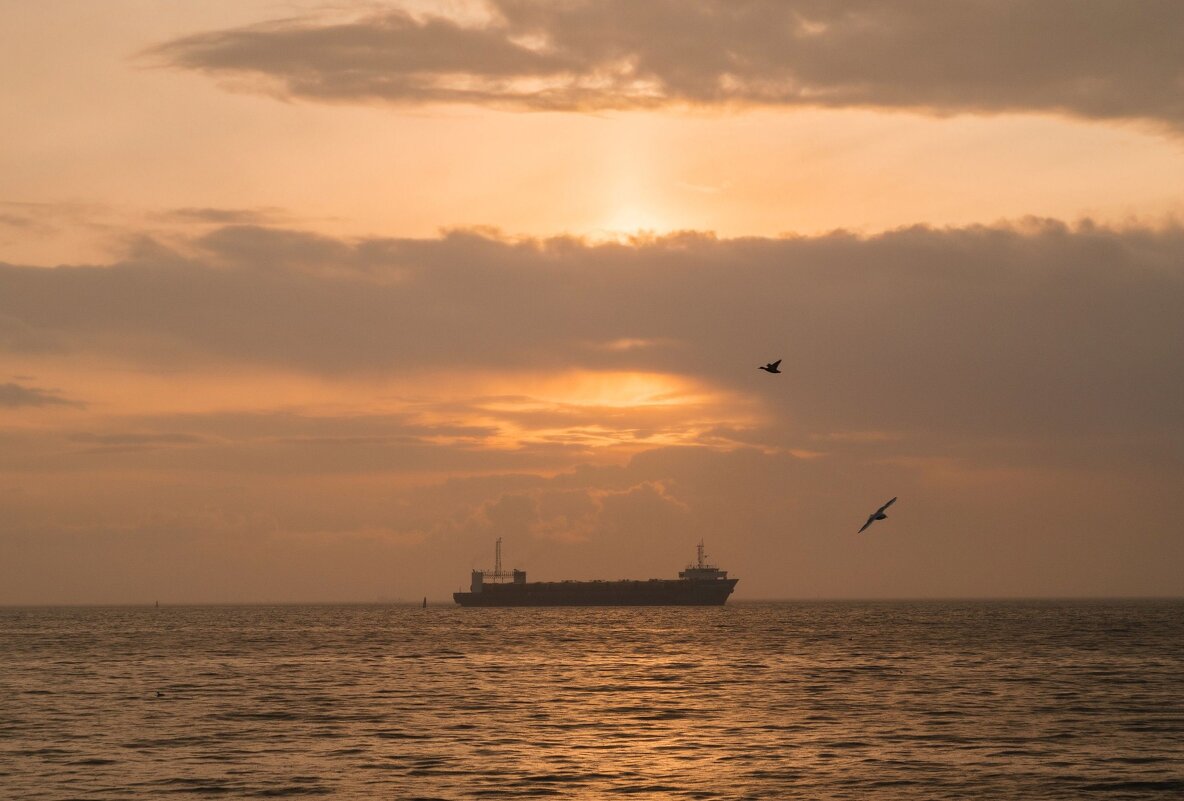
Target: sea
(793, 700)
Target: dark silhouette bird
(877, 515)
(771, 367)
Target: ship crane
(497, 575)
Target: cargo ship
(700, 584)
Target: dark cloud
(43, 219)
(131, 442)
(135, 439)
(14, 395)
(16, 221)
(1098, 59)
(30, 219)
(987, 331)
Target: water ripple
(749, 701)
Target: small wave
(290, 790)
(1168, 785)
(189, 784)
(552, 778)
(892, 783)
(49, 751)
(399, 735)
(440, 772)
(273, 715)
(662, 678)
(667, 714)
(777, 775)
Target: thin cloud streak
(1093, 59)
(221, 217)
(13, 396)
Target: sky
(312, 301)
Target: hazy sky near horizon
(313, 301)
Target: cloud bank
(1017, 385)
(1094, 59)
(1037, 328)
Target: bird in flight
(877, 515)
(771, 367)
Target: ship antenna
(700, 553)
(497, 562)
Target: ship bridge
(701, 570)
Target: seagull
(877, 515)
(771, 367)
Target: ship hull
(658, 592)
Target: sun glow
(617, 390)
(592, 409)
(628, 222)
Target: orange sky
(310, 301)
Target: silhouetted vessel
(700, 584)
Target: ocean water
(926, 700)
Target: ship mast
(702, 570)
(497, 574)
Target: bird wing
(870, 520)
(775, 364)
(885, 506)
